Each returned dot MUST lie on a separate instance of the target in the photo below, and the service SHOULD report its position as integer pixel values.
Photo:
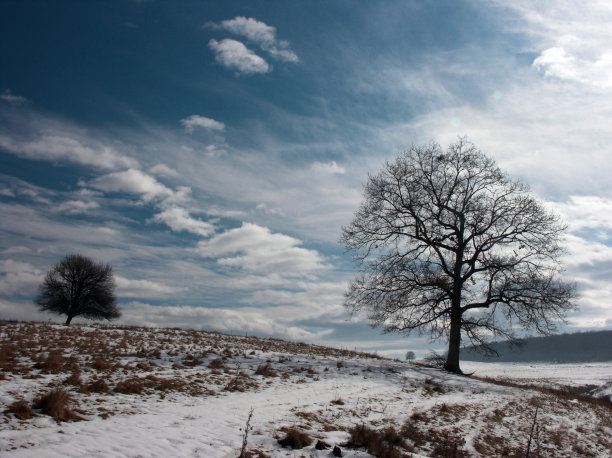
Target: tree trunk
(68, 320)
(454, 342)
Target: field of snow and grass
(124, 391)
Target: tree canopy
(450, 245)
(78, 286)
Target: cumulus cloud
(255, 249)
(132, 181)
(586, 252)
(234, 55)
(261, 34)
(328, 167)
(243, 319)
(178, 219)
(58, 147)
(193, 121)
(592, 212)
(570, 40)
(143, 289)
(8, 96)
(77, 207)
(164, 171)
(19, 278)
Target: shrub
(21, 409)
(266, 370)
(101, 364)
(378, 443)
(98, 386)
(56, 404)
(295, 439)
(130, 386)
(216, 364)
(74, 379)
(53, 363)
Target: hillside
(124, 391)
(564, 348)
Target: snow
(574, 375)
(202, 418)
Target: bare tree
(75, 286)
(449, 245)
(410, 355)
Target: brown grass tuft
(101, 364)
(216, 364)
(266, 370)
(98, 386)
(130, 386)
(21, 409)
(295, 438)
(53, 363)
(56, 404)
(384, 443)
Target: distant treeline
(595, 346)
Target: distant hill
(593, 346)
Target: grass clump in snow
(266, 370)
(387, 443)
(21, 409)
(294, 438)
(56, 404)
(130, 386)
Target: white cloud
(557, 62)
(76, 207)
(593, 212)
(243, 319)
(134, 182)
(178, 219)
(234, 55)
(19, 278)
(586, 252)
(24, 311)
(164, 171)
(262, 34)
(328, 167)
(9, 97)
(193, 121)
(57, 146)
(143, 288)
(256, 249)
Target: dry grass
(21, 409)
(56, 404)
(386, 443)
(130, 386)
(294, 438)
(266, 370)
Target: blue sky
(211, 151)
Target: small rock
(336, 451)
(322, 445)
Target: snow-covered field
(594, 378)
(169, 392)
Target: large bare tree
(450, 245)
(78, 286)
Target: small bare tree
(448, 244)
(75, 286)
